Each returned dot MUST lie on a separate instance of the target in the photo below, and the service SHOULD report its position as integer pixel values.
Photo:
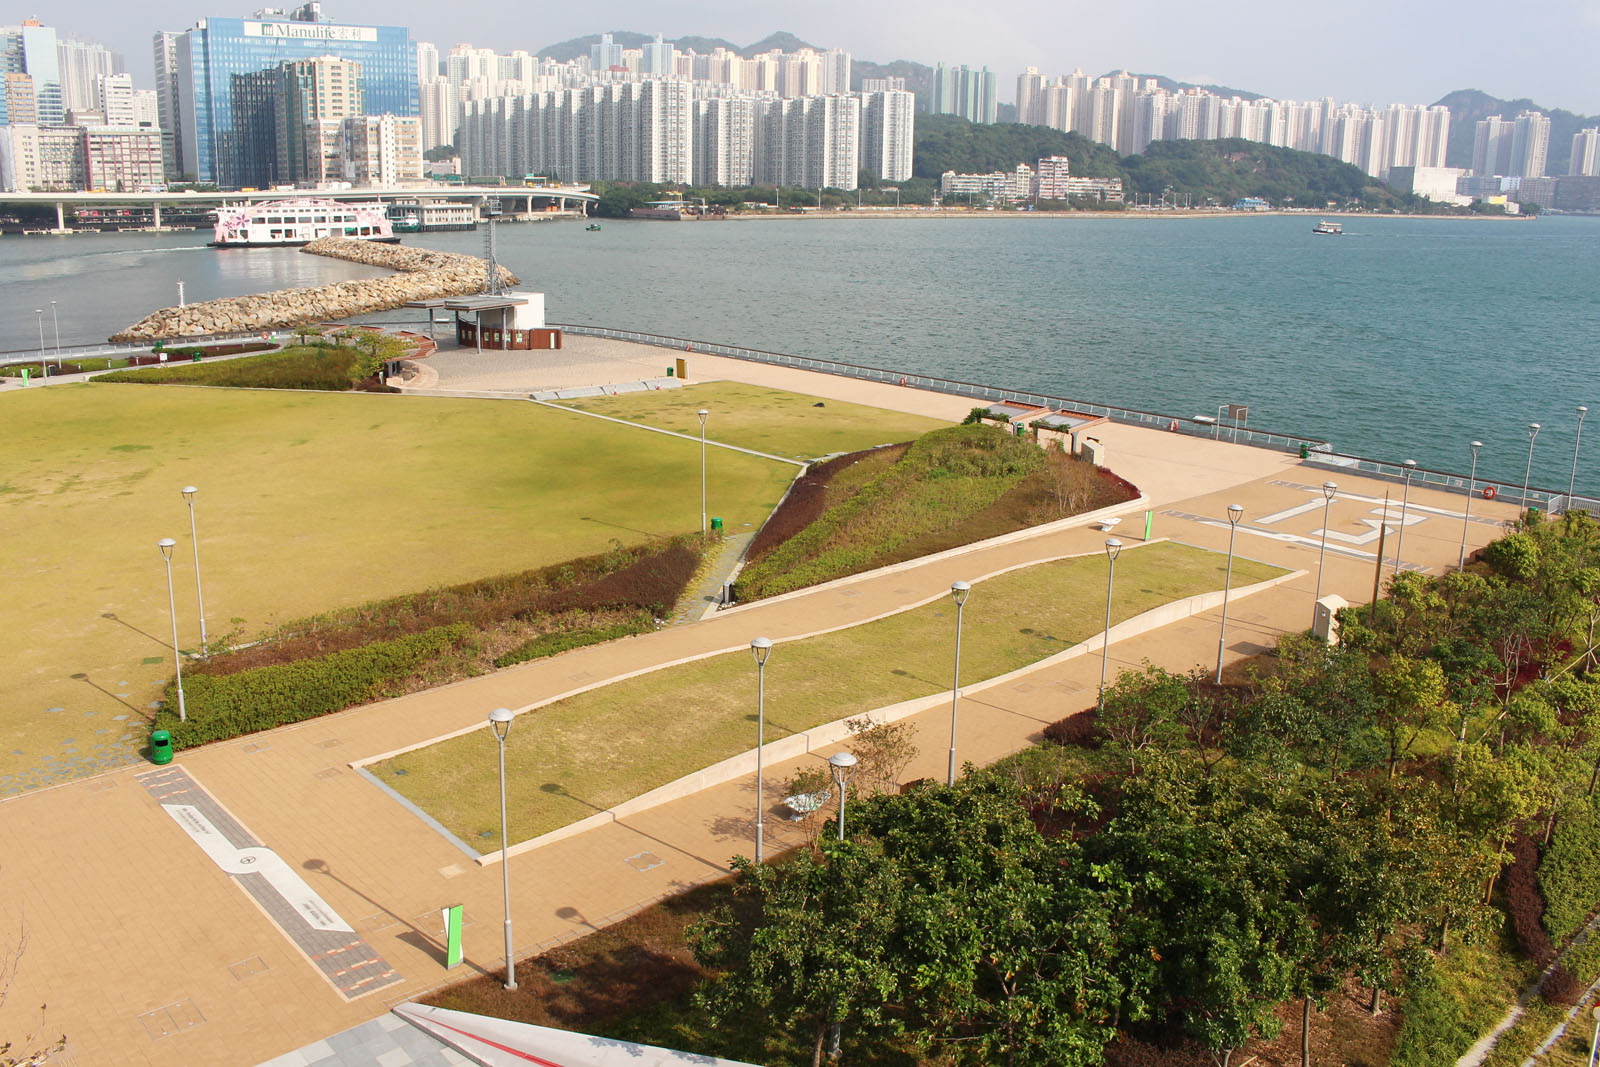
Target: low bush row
(220, 707)
(565, 640)
(316, 368)
(1569, 873)
(487, 604)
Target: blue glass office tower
(215, 52)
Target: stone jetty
(424, 274)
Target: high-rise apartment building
(969, 93)
(427, 61)
(605, 55)
(888, 125)
(113, 98)
(725, 140)
(212, 57)
(437, 103)
(1530, 145)
(165, 53)
(1585, 152)
(83, 64)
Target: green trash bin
(1305, 450)
(716, 522)
(161, 746)
(672, 371)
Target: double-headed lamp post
(702, 413)
(1572, 483)
(1113, 546)
(1328, 489)
(959, 591)
(500, 723)
(166, 545)
(761, 647)
(1466, 513)
(188, 495)
(1533, 431)
(1405, 502)
(1235, 513)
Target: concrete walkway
(147, 951)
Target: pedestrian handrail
(972, 390)
(67, 353)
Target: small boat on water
(592, 227)
(300, 221)
(1334, 229)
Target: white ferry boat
(1328, 228)
(300, 221)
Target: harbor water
(1403, 338)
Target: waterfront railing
(1314, 451)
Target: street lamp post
(1405, 500)
(166, 545)
(56, 322)
(188, 495)
(959, 591)
(843, 765)
(1235, 513)
(1328, 489)
(1533, 431)
(39, 313)
(1113, 546)
(1573, 481)
(761, 647)
(702, 413)
(500, 723)
(1472, 487)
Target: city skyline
(1370, 55)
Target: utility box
(1325, 618)
(1093, 450)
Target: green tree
(816, 951)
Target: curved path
(151, 947)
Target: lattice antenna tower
(493, 284)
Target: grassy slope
(308, 502)
(605, 746)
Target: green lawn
(768, 420)
(595, 750)
(307, 502)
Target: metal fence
(68, 354)
(1317, 452)
(988, 393)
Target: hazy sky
(1363, 50)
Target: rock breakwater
(424, 274)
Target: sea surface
(1404, 338)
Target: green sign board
(452, 935)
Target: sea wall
(424, 274)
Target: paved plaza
(260, 895)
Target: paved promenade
(164, 915)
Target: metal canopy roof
(484, 303)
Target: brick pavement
(147, 952)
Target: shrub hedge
(315, 367)
(565, 640)
(1569, 874)
(1435, 1029)
(224, 706)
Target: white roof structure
(501, 1043)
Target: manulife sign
(310, 31)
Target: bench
(803, 804)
